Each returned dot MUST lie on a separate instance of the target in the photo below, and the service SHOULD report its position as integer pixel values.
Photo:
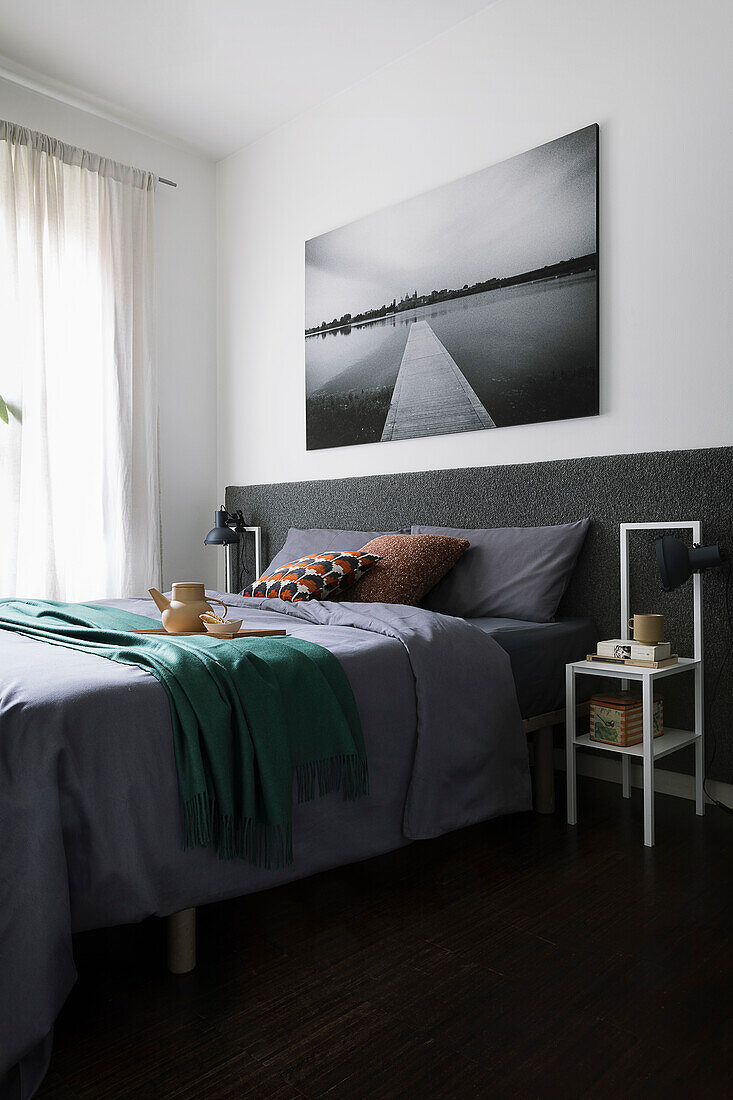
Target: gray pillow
(314, 540)
(508, 572)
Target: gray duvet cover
(89, 812)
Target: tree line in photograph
(573, 266)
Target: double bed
(91, 815)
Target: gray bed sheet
(90, 815)
(538, 653)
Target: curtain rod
(169, 183)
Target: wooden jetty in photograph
(431, 395)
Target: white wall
(655, 74)
(186, 296)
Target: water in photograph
(528, 351)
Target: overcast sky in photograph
(537, 208)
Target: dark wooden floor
(519, 958)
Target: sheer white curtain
(79, 497)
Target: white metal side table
(648, 750)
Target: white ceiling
(216, 75)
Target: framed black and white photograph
(472, 306)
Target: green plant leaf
(3, 410)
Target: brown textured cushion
(409, 566)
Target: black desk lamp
(677, 562)
(228, 529)
(221, 534)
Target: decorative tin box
(617, 719)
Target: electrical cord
(236, 521)
(243, 566)
(711, 704)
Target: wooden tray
(632, 662)
(205, 633)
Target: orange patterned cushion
(316, 577)
(407, 568)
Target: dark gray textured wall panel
(667, 485)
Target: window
(78, 458)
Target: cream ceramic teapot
(181, 613)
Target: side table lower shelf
(670, 741)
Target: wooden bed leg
(181, 941)
(544, 772)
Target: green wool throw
(248, 717)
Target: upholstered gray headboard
(668, 485)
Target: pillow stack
(502, 572)
(407, 566)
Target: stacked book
(623, 651)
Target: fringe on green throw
(335, 773)
(262, 844)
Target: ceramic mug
(648, 629)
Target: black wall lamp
(228, 529)
(677, 562)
